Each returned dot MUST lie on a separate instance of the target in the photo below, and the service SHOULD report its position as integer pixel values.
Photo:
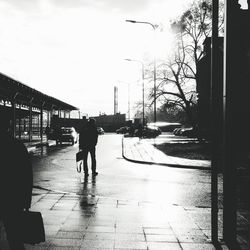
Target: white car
(68, 134)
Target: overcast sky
(74, 50)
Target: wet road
(55, 169)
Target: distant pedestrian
(87, 143)
(16, 182)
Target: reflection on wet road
(55, 169)
(88, 199)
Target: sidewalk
(142, 151)
(101, 223)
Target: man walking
(87, 143)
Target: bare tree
(177, 76)
(174, 86)
(193, 27)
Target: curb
(162, 164)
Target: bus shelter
(30, 110)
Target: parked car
(67, 134)
(149, 132)
(122, 130)
(177, 131)
(166, 126)
(100, 131)
(189, 132)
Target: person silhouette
(87, 143)
(16, 183)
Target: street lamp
(142, 68)
(154, 27)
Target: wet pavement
(127, 206)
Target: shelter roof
(11, 89)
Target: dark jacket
(16, 177)
(88, 137)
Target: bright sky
(74, 50)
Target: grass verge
(194, 151)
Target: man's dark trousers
(90, 150)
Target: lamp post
(142, 68)
(154, 27)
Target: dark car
(166, 126)
(67, 134)
(188, 132)
(151, 131)
(122, 130)
(148, 132)
(100, 131)
(177, 131)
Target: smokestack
(115, 100)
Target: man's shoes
(95, 174)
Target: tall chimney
(115, 100)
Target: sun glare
(71, 52)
